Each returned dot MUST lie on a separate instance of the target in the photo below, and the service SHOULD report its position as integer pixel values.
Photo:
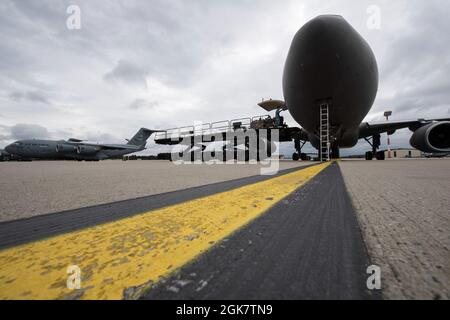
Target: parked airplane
(330, 81)
(330, 66)
(77, 149)
(4, 155)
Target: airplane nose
(322, 26)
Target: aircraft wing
(100, 146)
(112, 146)
(369, 129)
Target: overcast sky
(161, 64)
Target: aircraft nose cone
(323, 24)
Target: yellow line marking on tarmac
(122, 258)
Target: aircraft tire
(380, 155)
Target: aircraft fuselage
(61, 149)
(329, 61)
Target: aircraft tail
(140, 138)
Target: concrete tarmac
(307, 246)
(403, 207)
(35, 188)
(20, 231)
(316, 243)
(120, 258)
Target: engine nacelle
(433, 137)
(65, 148)
(86, 150)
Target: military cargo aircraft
(76, 149)
(331, 76)
(330, 81)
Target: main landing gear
(375, 144)
(298, 155)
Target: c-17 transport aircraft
(76, 149)
(330, 82)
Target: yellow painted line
(135, 252)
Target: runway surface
(120, 259)
(19, 231)
(404, 210)
(301, 234)
(307, 246)
(34, 188)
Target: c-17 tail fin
(140, 138)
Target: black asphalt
(22, 231)
(308, 246)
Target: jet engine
(65, 148)
(86, 150)
(433, 137)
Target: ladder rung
(324, 133)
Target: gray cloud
(142, 103)
(416, 62)
(33, 96)
(101, 137)
(5, 138)
(127, 72)
(28, 131)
